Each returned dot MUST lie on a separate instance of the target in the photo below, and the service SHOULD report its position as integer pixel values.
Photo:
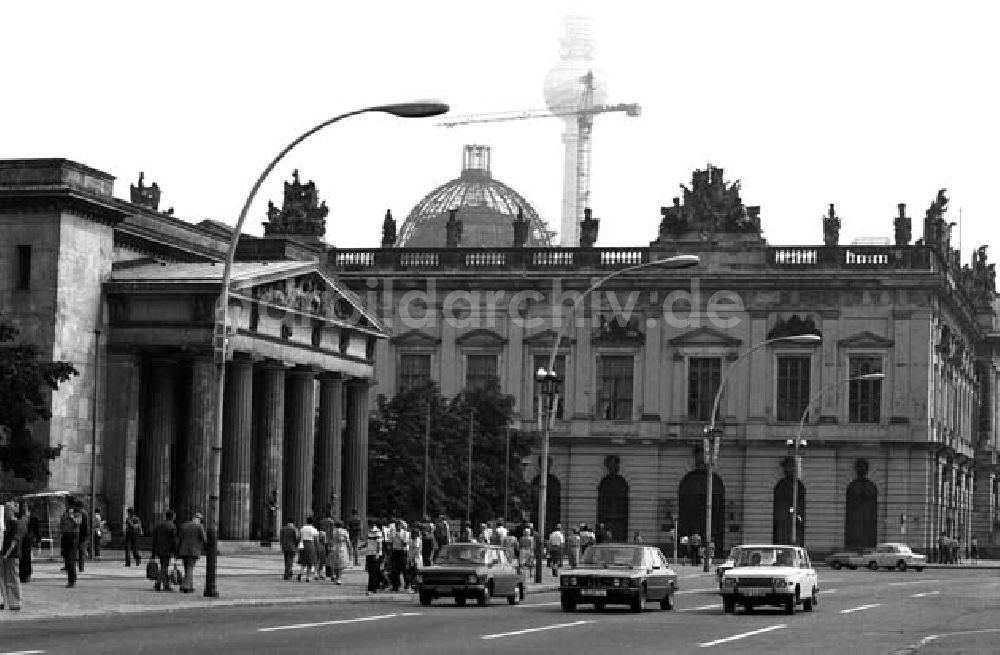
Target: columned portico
(300, 421)
(234, 515)
(329, 442)
(269, 431)
(356, 450)
(194, 495)
(159, 434)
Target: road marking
(544, 627)
(900, 584)
(858, 609)
(703, 607)
(742, 635)
(926, 593)
(24, 652)
(555, 602)
(299, 626)
(694, 591)
(828, 591)
(912, 649)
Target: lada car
(729, 563)
(893, 556)
(619, 574)
(775, 575)
(842, 559)
(468, 570)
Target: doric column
(201, 424)
(329, 441)
(159, 434)
(269, 439)
(122, 402)
(234, 502)
(355, 486)
(300, 423)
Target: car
(842, 559)
(730, 562)
(619, 574)
(892, 555)
(470, 570)
(770, 574)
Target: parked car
(469, 570)
(770, 574)
(892, 555)
(730, 562)
(619, 574)
(842, 559)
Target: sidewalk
(108, 587)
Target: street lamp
(677, 261)
(418, 109)
(712, 443)
(799, 442)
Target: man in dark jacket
(83, 542)
(164, 547)
(191, 546)
(133, 530)
(69, 541)
(289, 540)
(10, 553)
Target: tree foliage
(25, 381)
(396, 454)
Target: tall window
(864, 396)
(542, 361)
(479, 370)
(614, 384)
(704, 377)
(414, 371)
(793, 387)
(24, 267)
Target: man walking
(10, 554)
(373, 558)
(289, 541)
(556, 541)
(191, 546)
(354, 532)
(399, 541)
(133, 530)
(164, 547)
(69, 541)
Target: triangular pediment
(481, 338)
(865, 339)
(705, 336)
(545, 339)
(415, 338)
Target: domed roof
(486, 208)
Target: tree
(396, 462)
(24, 381)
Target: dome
(486, 208)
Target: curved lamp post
(419, 109)
(550, 384)
(712, 446)
(800, 442)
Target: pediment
(705, 336)
(415, 338)
(865, 339)
(545, 339)
(481, 338)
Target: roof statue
(937, 233)
(145, 196)
(588, 229)
(388, 230)
(902, 225)
(710, 206)
(831, 228)
(453, 229)
(521, 228)
(979, 281)
(301, 214)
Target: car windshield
(766, 557)
(461, 554)
(608, 557)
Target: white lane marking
(544, 627)
(899, 584)
(926, 593)
(26, 652)
(910, 650)
(858, 609)
(694, 591)
(555, 602)
(828, 591)
(361, 619)
(742, 635)
(703, 607)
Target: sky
(861, 104)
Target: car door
(809, 577)
(503, 573)
(656, 579)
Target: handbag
(175, 576)
(152, 570)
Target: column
(300, 420)
(329, 442)
(269, 437)
(123, 384)
(201, 425)
(355, 494)
(159, 434)
(234, 501)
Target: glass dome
(486, 208)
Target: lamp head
(804, 339)
(871, 376)
(541, 374)
(416, 109)
(677, 261)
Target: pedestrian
(442, 534)
(14, 530)
(373, 556)
(587, 538)
(270, 528)
(307, 554)
(573, 547)
(684, 548)
(289, 541)
(499, 533)
(556, 541)
(511, 546)
(326, 526)
(485, 534)
(414, 557)
(354, 532)
(694, 545)
(321, 554)
(191, 540)
(943, 549)
(974, 548)
(340, 550)
(527, 547)
(399, 541)
(83, 543)
(164, 548)
(133, 530)
(69, 540)
(428, 543)
(465, 533)
(99, 530)
(636, 537)
(32, 536)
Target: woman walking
(339, 541)
(307, 555)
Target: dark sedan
(619, 574)
(463, 571)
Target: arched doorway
(691, 511)
(612, 501)
(781, 520)
(861, 516)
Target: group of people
(950, 549)
(323, 552)
(186, 542)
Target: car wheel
(748, 608)
(790, 606)
(835, 565)
(520, 591)
(640, 603)
(484, 597)
(728, 606)
(872, 566)
(901, 565)
(853, 568)
(426, 598)
(919, 569)
(667, 602)
(599, 606)
(568, 604)
(515, 597)
(460, 601)
(809, 603)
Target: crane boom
(630, 109)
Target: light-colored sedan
(770, 574)
(891, 555)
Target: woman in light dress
(307, 554)
(339, 545)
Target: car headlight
(472, 578)
(418, 578)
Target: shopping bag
(152, 570)
(175, 576)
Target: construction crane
(578, 137)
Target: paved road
(860, 612)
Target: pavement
(246, 577)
